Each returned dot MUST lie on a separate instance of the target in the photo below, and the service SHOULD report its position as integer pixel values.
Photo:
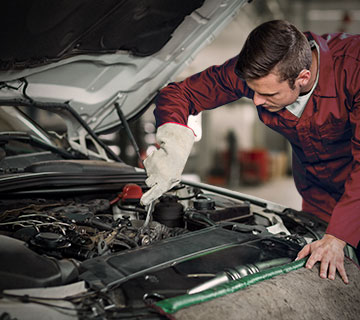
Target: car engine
(135, 254)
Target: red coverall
(325, 139)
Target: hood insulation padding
(38, 32)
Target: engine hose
(199, 217)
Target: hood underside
(91, 55)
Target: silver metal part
(238, 272)
(277, 225)
(217, 280)
(148, 215)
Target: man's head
(275, 57)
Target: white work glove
(165, 165)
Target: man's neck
(313, 71)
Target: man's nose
(258, 99)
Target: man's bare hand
(330, 252)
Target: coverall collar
(326, 83)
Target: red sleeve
(211, 88)
(345, 220)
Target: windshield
(12, 119)
(22, 141)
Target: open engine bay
(127, 256)
(75, 242)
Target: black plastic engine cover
(179, 278)
(208, 250)
(21, 267)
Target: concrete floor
(281, 190)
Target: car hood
(92, 55)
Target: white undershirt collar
(299, 105)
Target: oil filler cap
(131, 193)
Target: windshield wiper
(30, 139)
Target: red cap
(131, 191)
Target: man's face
(272, 94)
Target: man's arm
(345, 219)
(344, 225)
(211, 88)
(215, 86)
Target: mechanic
(307, 88)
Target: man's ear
(304, 77)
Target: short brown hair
(275, 46)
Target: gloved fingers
(158, 188)
(148, 159)
(164, 165)
(152, 180)
(173, 182)
(154, 158)
(151, 163)
(154, 193)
